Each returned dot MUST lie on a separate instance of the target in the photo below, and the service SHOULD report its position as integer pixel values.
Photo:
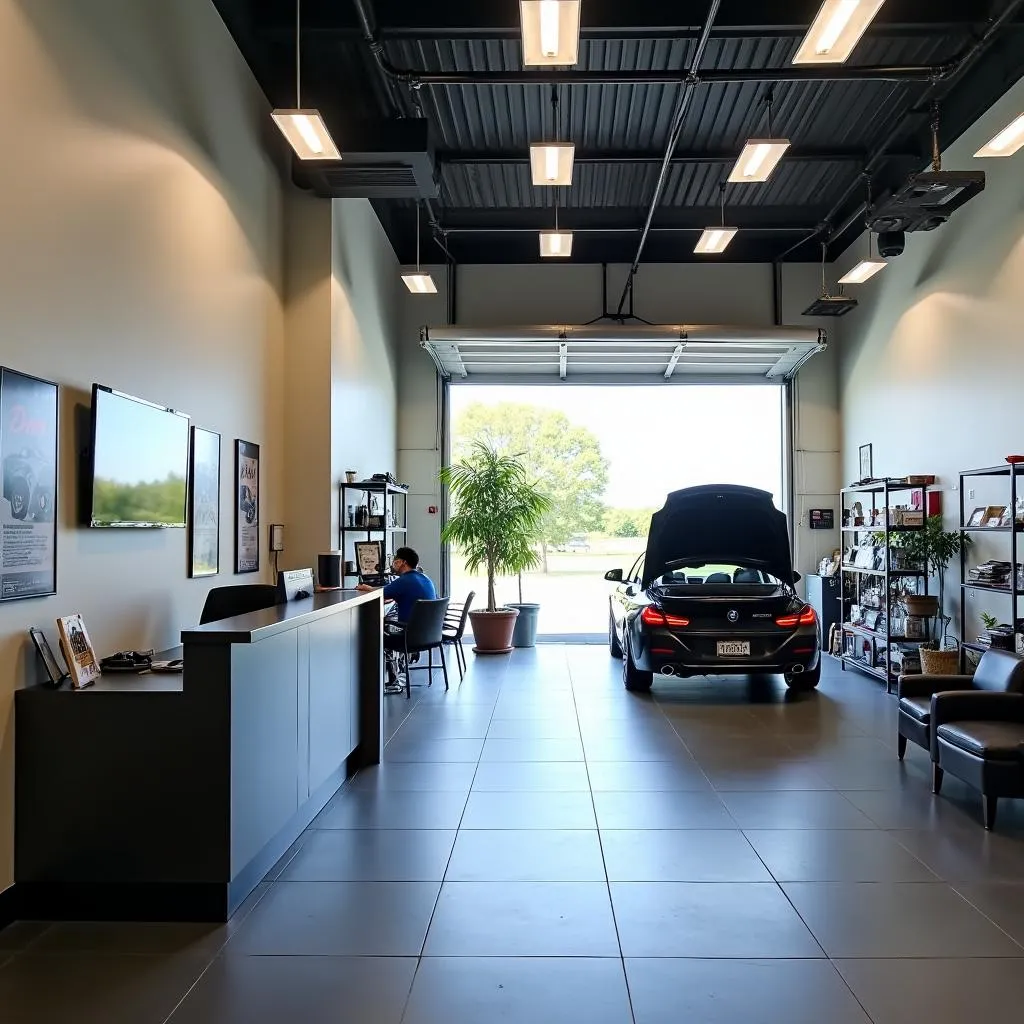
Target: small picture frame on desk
(865, 462)
(977, 518)
(994, 515)
(55, 674)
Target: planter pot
(922, 605)
(525, 633)
(492, 631)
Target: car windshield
(723, 573)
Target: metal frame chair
(455, 628)
(423, 632)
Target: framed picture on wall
(865, 462)
(247, 506)
(204, 504)
(28, 486)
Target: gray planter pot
(525, 634)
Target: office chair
(227, 602)
(423, 632)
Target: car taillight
(656, 617)
(805, 617)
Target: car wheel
(633, 678)
(804, 681)
(614, 647)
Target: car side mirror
(797, 577)
(613, 575)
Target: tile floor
(540, 846)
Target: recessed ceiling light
(863, 270)
(556, 243)
(759, 158)
(420, 284)
(551, 32)
(1007, 142)
(836, 31)
(306, 132)
(551, 162)
(715, 240)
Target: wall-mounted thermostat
(276, 537)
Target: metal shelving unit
(394, 509)
(879, 667)
(1013, 591)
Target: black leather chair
(455, 629)
(227, 602)
(424, 631)
(979, 738)
(997, 672)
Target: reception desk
(170, 797)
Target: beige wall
(148, 243)
(933, 359)
(693, 293)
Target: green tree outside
(564, 460)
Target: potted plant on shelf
(495, 521)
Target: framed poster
(204, 503)
(28, 497)
(865, 462)
(247, 506)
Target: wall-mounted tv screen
(139, 462)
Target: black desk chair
(455, 628)
(423, 632)
(227, 602)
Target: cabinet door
(331, 643)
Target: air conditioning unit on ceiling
(926, 201)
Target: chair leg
(458, 660)
(430, 667)
(901, 746)
(937, 774)
(444, 668)
(990, 803)
(408, 673)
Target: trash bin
(525, 634)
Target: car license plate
(733, 648)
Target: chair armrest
(976, 706)
(924, 685)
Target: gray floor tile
(94, 989)
(527, 749)
(740, 992)
(913, 806)
(372, 855)
(794, 809)
(437, 751)
(454, 777)
(765, 774)
(623, 748)
(338, 919)
(417, 730)
(530, 855)
(22, 934)
(693, 855)
(536, 919)
(129, 938)
(646, 777)
(506, 810)
(966, 854)
(534, 729)
(843, 855)
(306, 989)
(519, 991)
(709, 920)
(936, 991)
(1003, 903)
(661, 810)
(881, 919)
(397, 810)
(532, 776)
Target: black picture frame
(866, 468)
(55, 673)
(29, 432)
(247, 506)
(204, 503)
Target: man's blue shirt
(409, 588)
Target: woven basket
(940, 663)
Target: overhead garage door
(621, 355)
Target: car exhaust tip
(668, 670)
(795, 670)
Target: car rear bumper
(663, 652)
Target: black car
(714, 594)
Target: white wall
(932, 361)
(148, 243)
(667, 293)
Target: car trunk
(708, 608)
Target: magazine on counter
(78, 651)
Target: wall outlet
(276, 537)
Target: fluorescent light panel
(551, 162)
(307, 134)
(551, 32)
(836, 31)
(420, 284)
(863, 270)
(1007, 142)
(759, 158)
(715, 240)
(556, 243)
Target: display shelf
(883, 572)
(393, 500)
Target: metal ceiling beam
(598, 156)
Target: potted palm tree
(496, 516)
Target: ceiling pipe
(673, 138)
(459, 156)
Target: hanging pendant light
(551, 162)
(419, 283)
(556, 243)
(760, 156)
(716, 240)
(872, 265)
(304, 128)
(1007, 142)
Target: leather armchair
(997, 672)
(979, 738)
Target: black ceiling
(618, 103)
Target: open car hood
(719, 523)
